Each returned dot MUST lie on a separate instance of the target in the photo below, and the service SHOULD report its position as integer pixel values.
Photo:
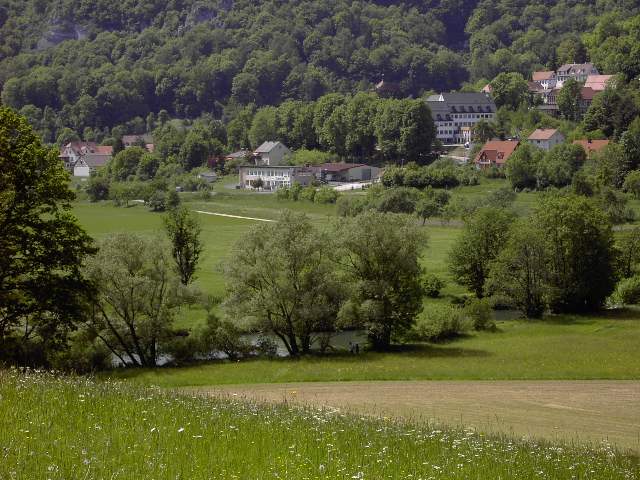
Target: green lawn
(603, 347)
(63, 428)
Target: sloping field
(582, 411)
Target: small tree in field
(281, 277)
(581, 258)
(183, 230)
(519, 271)
(482, 238)
(380, 255)
(137, 295)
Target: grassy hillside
(58, 428)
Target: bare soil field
(586, 412)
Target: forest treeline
(79, 64)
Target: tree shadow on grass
(629, 313)
(437, 351)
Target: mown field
(61, 428)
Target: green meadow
(62, 428)
(560, 348)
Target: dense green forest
(95, 65)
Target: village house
(272, 177)
(546, 138)
(90, 161)
(455, 114)
(345, 172)
(139, 140)
(495, 153)
(81, 158)
(578, 71)
(271, 154)
(591, 146)
(546, 80)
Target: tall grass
(72, 428)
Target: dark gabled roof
(339, 167)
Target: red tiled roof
(543, 134)
(103, 150)
(496, 151)
(598, 82)
(540, 76)
(587, 93)
(591, 145)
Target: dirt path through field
(583, 411)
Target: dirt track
(583, 411)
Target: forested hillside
(97, 64)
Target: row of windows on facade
(268, 173)
(466, 115)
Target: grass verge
(58, 428)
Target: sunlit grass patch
(59, 427)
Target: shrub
(432, 285)
(326, 195)
(182, 348)
(350, 206)
(223, 336)
(632, 183)
(440, 322)
(98, 188)
(627, 291)
(479, 313)
(158, 201)
(308, 193)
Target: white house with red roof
(547, 80)
(495, 153)
(546, 138)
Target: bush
(440, 322)
(85, 354)
(98, 188)
(158, 201)
(632, 183)
(308, 193)
(326, 195)
(480, 314)
(432, 285)
(182, 348)
(349, 206)
(627, 291)
(223, 336)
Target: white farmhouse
(546, 138)
(271, 153)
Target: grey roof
(266, 147)
(95, 159)
(239, 154)
(576, 67)
(460, 102)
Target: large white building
(455, 114)
(272, 177)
